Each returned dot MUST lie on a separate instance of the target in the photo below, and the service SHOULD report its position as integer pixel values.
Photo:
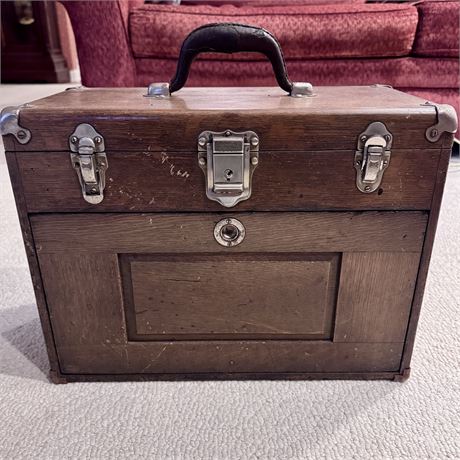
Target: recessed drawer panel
(236, 297)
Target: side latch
(372, 156)
(228, 160)
(89, 161)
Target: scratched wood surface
(91, 335)
(131, 100)
(145, 310)
(156, 181)
(265, 232)
(178, 297)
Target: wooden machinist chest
(229, 232)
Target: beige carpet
(228, 420)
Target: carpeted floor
(231, 420)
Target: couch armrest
(103, 45)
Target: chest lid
(330, 120)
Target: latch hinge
(228, 160)
(372, 156)
(89, 161)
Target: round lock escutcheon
(229, 232)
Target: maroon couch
(411, 46)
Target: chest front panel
(300, 286)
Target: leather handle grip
(230, 38)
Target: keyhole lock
(228, 174)
(229, 232)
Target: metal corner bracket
(9, 124)
(89, 160)
(372, 156)
(447, 122)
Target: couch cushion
(304, 31)
(438, 30)
(406, 72)
(271, 2)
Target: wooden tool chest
(229, 232)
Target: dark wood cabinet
(31, 49)
(321, 280)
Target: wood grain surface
(91, 336)
(426, 255)
(156, 181)
(344, 99)
(30, 250)
(265, 232)
(234, 297)
(375, 296)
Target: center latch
(228, 160)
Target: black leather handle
(230, 38)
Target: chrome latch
(372, 156)
(228, 160)
(89, 161)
